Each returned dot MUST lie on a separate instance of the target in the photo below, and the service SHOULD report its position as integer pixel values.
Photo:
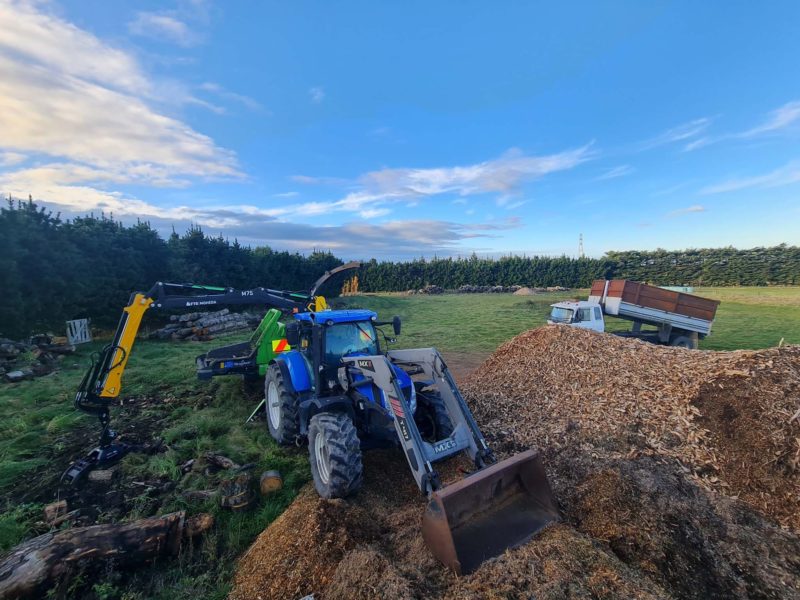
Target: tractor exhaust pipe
(499, 507)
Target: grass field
(40, 432)
(746, 318)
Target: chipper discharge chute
(499, 506)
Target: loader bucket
(499, 507)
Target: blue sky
(396, 130)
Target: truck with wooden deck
(658, 315)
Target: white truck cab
(578, 313)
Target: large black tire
(684, 341)
(335, 454)
(431, 417)
(280, 408)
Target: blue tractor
(341, 391)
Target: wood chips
(724, 416)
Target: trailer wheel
(335, 454)
(281, 408)
(431, 417)
(683, 341)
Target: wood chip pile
(729, 418)
(646, 448)
(200, 326)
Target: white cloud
(286, 195)
(317, 94)
(785, 175)
(697, 208)
(84, 111)
(619, 171)
(163, 26)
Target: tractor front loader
(337, 388)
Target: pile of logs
(488, 289)
(484, 289)
(38, 356)
(200, 326)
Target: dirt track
(645, 453)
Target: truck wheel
(683, 341)
(431, 417)
(281, 408)
(335, 454)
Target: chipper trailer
(337, 389)
(679, 319)
(101, 385)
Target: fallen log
(31, 567)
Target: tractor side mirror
(293, 334)
(396, 325)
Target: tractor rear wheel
(335, 455)
(431, 417)
(281, 408)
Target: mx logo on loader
(443, 446)
(366, 364)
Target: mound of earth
(644, 456)
(525, 291)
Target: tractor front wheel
(335, 454)
(431, 417)
(281, 408)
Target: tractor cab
(323, 339)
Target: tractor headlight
(412, 401)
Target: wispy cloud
(241, 99)
(9, 159)
(74, 84)
(371, 213)
(620, 171)
(164, 26)
(681, 133)
(317, 94)
(697, 208)
(785, 175)
(777, 121)
(502, 175)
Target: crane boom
(103, 380)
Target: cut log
(54, 511)
(223, 462)
(28, 569)
(271, 481)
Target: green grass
(747, 317)
(39, 428)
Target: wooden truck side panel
(657, 298)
